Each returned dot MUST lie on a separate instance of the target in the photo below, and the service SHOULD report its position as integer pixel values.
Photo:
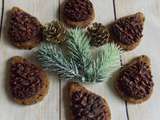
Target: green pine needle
(52, 59)
(79, 47)
(79, 64)
(106, 62)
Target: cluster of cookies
(29, 83)
(26, 32)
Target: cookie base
(76, 87)
(81, 24)
(41, 93)
(130, 99)
(133, 45)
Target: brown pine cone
(78, 13)
(135, 82)
(127, 31)
(55, 32)
(86, 105)
(99, 34)
(25, 31)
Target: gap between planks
(60, 83)
(2, 13)
(121, 58)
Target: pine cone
(99, 34)
(54, 32)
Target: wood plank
(104, 14)
(149, 46)
(48, 109)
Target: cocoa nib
(88, 106)
(25, 80)
(78, 10)
(23, 27)
(136, 80)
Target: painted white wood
(48, 109)
(104, 14)
(150, 46)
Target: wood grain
(48, 109)
(149, 46)
(55, 105)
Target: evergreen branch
(79, 48)
(79, 65)
(52, 59)
(97, 69)
(106, 62)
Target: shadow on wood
(66, 101)
(111, 83)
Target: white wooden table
(53, 107)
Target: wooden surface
(55, 105)
(150, 46)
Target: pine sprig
(79, 47)
(79, 64)
(52, 59)
(106, 62)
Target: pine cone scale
(55, 32)
(99, 34)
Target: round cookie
(135, 84)
(25, 31)
(78, 13)
(28, 83)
